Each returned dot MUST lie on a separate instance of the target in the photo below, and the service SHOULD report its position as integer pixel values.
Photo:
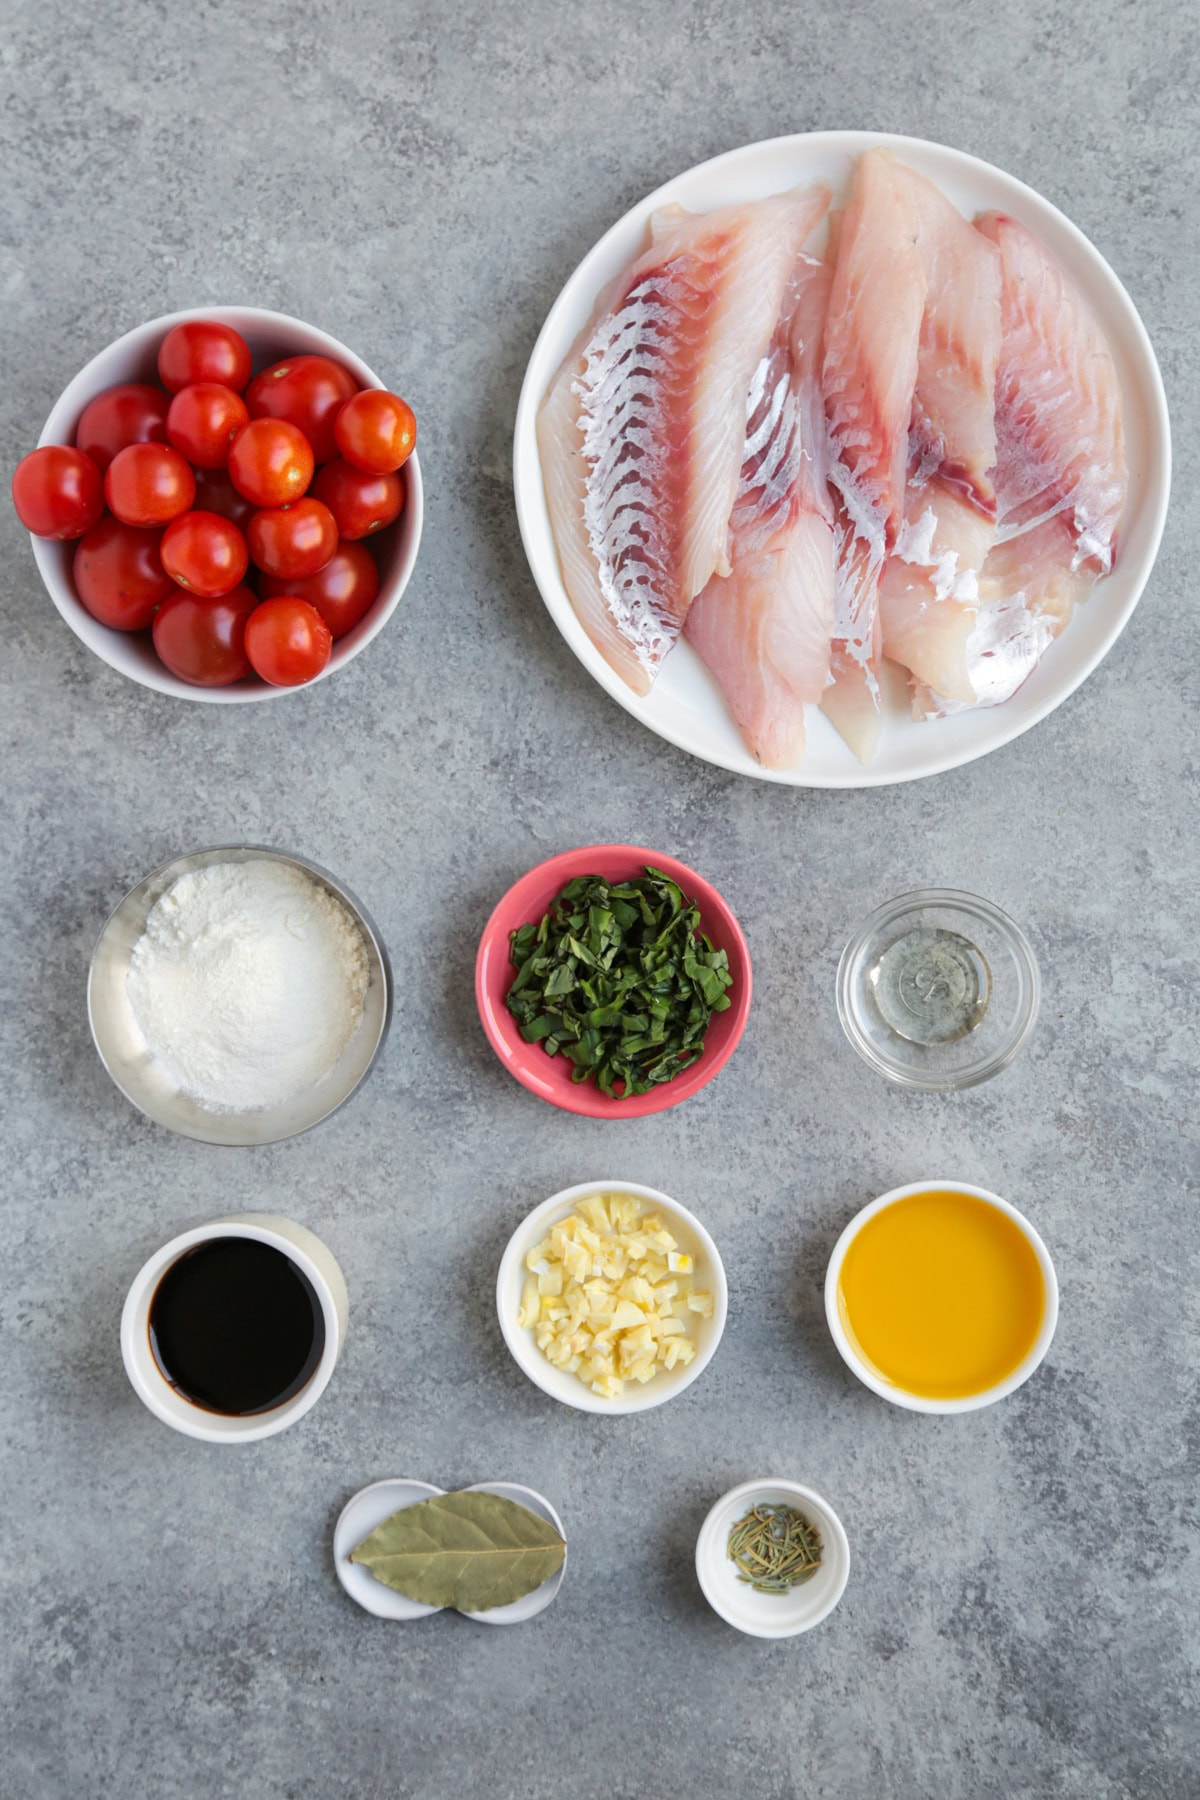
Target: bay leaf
(472, 1551)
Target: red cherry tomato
(293, 540)
(205, 554)
(343, 591)
(270, 462)
(203, 641)
(216, 493)
(376, 431)
(133, 413)
(202, 350)
(203, 421)
(287, 641)
(308, 391)
(119, 575)
(149, 484)
(57, 492)
(360, 503)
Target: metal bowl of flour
(144, 1080)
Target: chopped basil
(619, 979)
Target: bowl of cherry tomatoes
(225, 504)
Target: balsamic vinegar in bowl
(236, 1327)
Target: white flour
(248, 983)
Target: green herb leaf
(471, 1551)
(619, 978)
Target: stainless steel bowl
(144, 1081)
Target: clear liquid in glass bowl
(938, 990)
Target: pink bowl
(549, 1077)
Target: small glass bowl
(1006, 1003)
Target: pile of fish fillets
(909, 445)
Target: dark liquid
(236, 1327)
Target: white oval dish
(771, 1615)
(356, 1521)
(920, 1402)
(372, 1505)
(529, 1605)
(685, 705)
(709, 1272)
(315, 1260)
(271, 336)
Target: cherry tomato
(57, 492)
(205, 554)
(308, 391)
(203, 641)
(132, 413)
(287, 641)
(293, 540)
(119, 574)
(202, 350)
(216, 493)
(203, 421)
(342, 592)
(376, 431)
(360, 503)
(270, 462)
(148, 484)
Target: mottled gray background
(1021, 1613)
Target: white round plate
(685, 706)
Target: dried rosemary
(775, 1548)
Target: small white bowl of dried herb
(772, 1558)
(612, 1297)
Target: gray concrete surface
(1021, 1613)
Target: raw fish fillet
(1061, 476)
(928, 597)
(872, 333)
(765, 629)
(642, 432)
(931, 582)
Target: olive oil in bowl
(941, 1298)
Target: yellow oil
(942, 1295)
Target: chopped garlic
(608, 1295)
(531, 1304)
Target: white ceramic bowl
(709, 1273)
(271, 336)
(372, 1505)
(685, 706)
(771, 1615)
(900, 1396)
(314, 1260)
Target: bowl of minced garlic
(612, 1297)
